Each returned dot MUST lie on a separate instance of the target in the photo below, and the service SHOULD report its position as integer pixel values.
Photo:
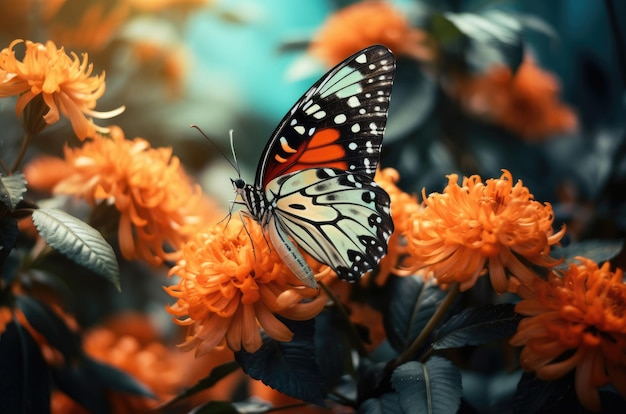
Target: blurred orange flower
(525, 102)
(230, 283)
(63, 83)
(364, 24)
(576, 320)
(482, 226)
(159, 205)
(85, 26)
(160, 5)
(403, 206)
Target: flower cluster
(468, 229)
(159, 205)
(63, 83)
(230, 283)
(576, 320)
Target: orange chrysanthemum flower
(478, 226)
(54, 83)
(403, 206)
(576, 320)
(159, 205)
(230, 283)
(525, 102)
(364, 24)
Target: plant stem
(20, 156)
(411, 351)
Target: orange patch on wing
(324, 137)
(323, 155)
(322, 150)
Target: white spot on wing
(355, 128)
(340, 119)
(319, 114)
(299, 129)
(311, 109)
(353, 102)
(362, 58)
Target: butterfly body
(314, 186)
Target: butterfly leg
(244, 216)
(289, 254)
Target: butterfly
(314, 186)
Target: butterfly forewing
(338, 123)
(339, 218)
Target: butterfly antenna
(234, 165)
(232, 149)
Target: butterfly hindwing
(339, 218)
(338, 123)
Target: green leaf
(12, 189)
(210, 380)
(24, 383)
(385, 404)
(598, 250)
(477, 326)
(411, 304)
(111, 378)
(8, 237)
(78, 241)
(332, 352)
(537, 395)
(288, 367)
(45, 321)
(433, 387)
(89, 382)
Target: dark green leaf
(24, 385)
(216, 407)
(385, 404)
(477, 326)
(111, 378)
(78, 241)
(85, 391)
(598, 250)
(12, 189)
(89, 383)
(536, 395)
(411, 304)
(8, 237)
(210, 380)
(370, 375)
(433, 387)
(288, 367)
(332, 353)
(45, 321)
